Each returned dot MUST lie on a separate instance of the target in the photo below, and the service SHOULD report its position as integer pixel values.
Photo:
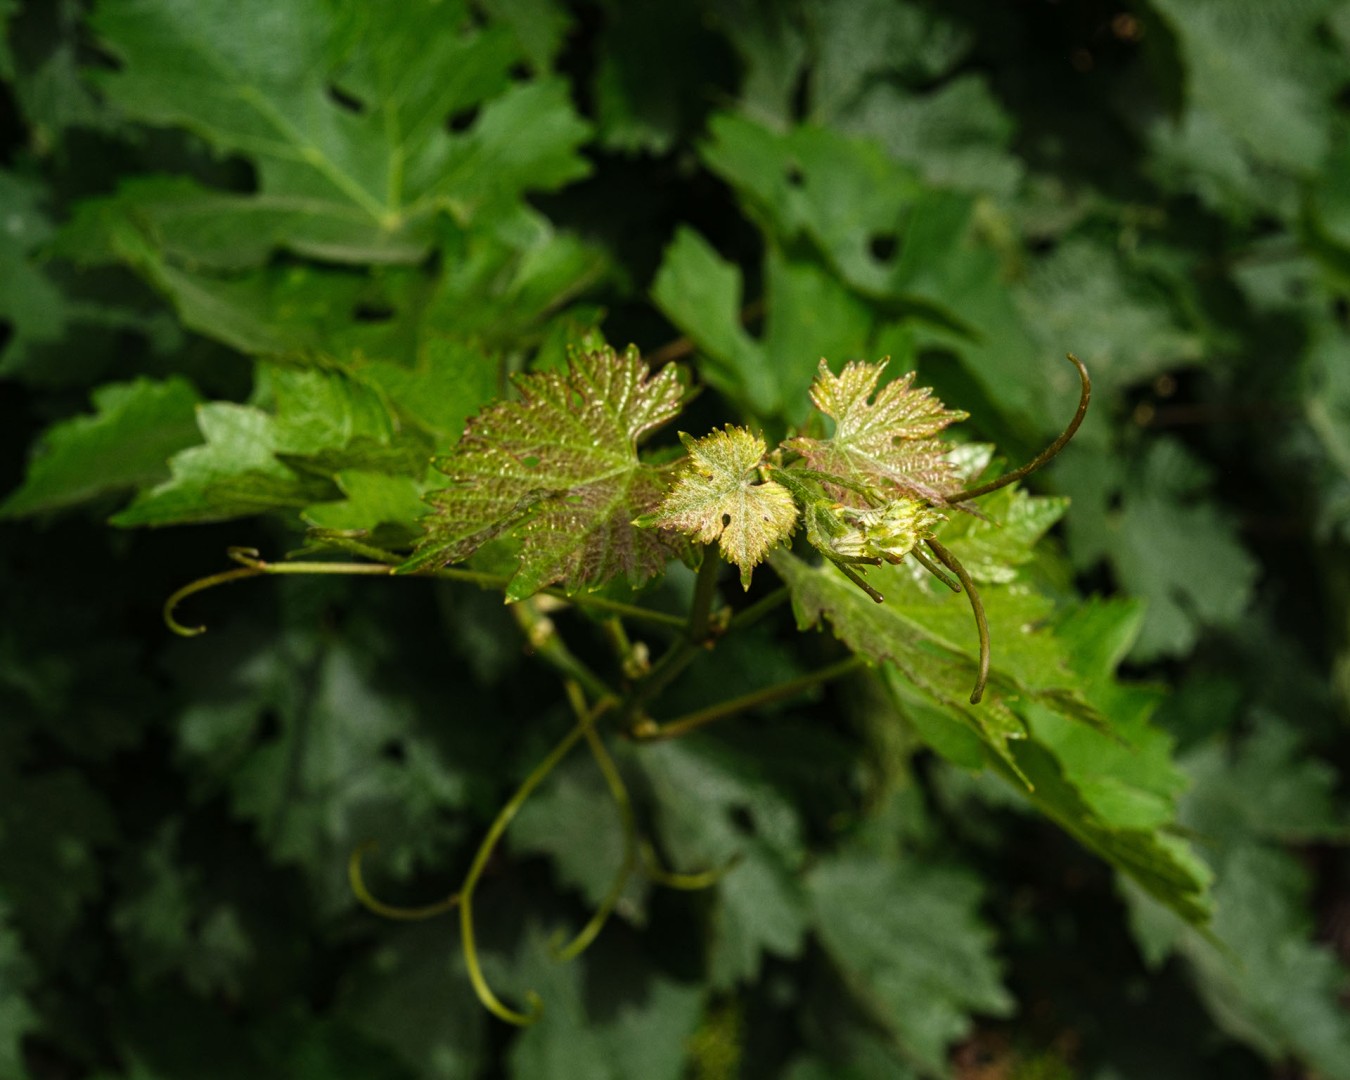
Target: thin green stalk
(253, 566)
(685, 648)
(619, 793)
(548, 645)
(389, 911)
(952, 563)
(756, 611)
(705, 593)
(1084, 397)
(723, 709)
(499, 825)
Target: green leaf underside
(1036, 721)
(719, 497)
(888, 440)
(346, 117)
(560, 469)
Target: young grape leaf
(888, 440)
(560, 468)
(719, 496)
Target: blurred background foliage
(407, 202)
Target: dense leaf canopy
(349, 288)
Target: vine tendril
(379, 907)
(1084, 396)
(952, 563)
(491, 1002)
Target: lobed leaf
(720, 497)
(886, 438)
(348, 116)
(560, 469)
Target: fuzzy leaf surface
(719, 496)
(560, 468)
(886, 438)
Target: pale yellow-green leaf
(885, 438)
(719, 496)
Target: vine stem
(253, 566)
(494, 834)
(685, 648)
(750, 615)
(769, 694)
(619, 793)
(543, 637)
(389, 911)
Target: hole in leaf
(883, 246)
(373, 313)
(740, 817)
(531, 462)
(344, 100)
(1115, 501)
(269, 726)
(1340, 308)
(395, 751)
(726, 520)
(462, 120)
(794, 175)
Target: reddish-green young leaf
(560, 469)
(886, 438)
(720, 496)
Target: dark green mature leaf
(720, 496)
(30, 302)
(955, 137)
(346, 117)
(322, 784)
(1265, 980)
(889, 238)
(561, 468)
(135, 429)
(1119, 323)
(857, 41)
(1111, 789)
(610, 1015)
(17, 1017)
(883, 438)
(908, 940)
(702, 795)
(574, 821)
(172, 926)
(1178, 552)
(412, 995)
(808, 314)
(1261, 71)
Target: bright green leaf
(135, 429)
